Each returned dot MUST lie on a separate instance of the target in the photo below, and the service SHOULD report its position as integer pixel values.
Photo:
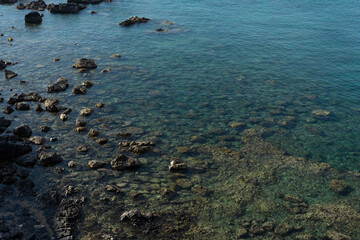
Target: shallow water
(255, 62)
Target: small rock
(112, 188)
(56, 59)
(82, 149)
(87, 84)
(38, 108)
(48, 158)
(133, 20)
(340, 187)
(92, 12)
(10, 39)
(37, 140)
(60, 85)
(321, 113)
(52, 105)
(99, 105)
(159, 30)
(105, 70)
(26, 161)
(80, 123)
(123, 134)
(85, 64)
(22, 131)
(7, 110)
(81, 129)
(22, 106)
(72, 164)
(122, 162)
(44, 128)
(177, 165)
(86, 112)
(67, 111)
(79, 90)
(93, 164)
(93, 133)
(63, 117)
(256, 230)
(20, 6)
(116, 55)
(54, 139)
(102, 141)
(237, 125)
(9, 74)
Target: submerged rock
(85, 1)
(26, 161)
(48, 158)
(60, 85)
(93, 133)
(44, 128)
(137, 147)
(333, 235)
(82, 148)
(33, 18)
(9, 151)
(94, 164)
(320, 113)
(85, 63)
(22, 131)
(9, 74)
(133, 20)
(102, 141)
(8, 1)
(7, 110)
(87, 84)
(340, 187)
(86, 112)
(136, 217)
(80, 123)
(122, 162)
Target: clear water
(256, 62)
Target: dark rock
(8, 1)
(9, 74)
(102, 141)
(2, 65)
(33, 18)
(256, 230)
(48, 158)
(135, 217)
(64, 8)
(122, 162)
(4, 122)
(44, 128)
(112, 188)
(20, 6)
(26, 97)
(51, 197)
(133, 20)
(93, 133)
(340, 187)
(26, 161)
(87, 84)
(37, 5)
(159, 30)
(82, 149)
(123, 134)
(60, 85)
(25, 187)
(85, 63)
(79, 90)
(177, 165)
(80, 123)
(81, 129)
(93, 164)
(22, 131)
(52, 105)
(54, 139)
(37, 140)
(85, 1)
(9, 151)
(38, 108)
(22, 106)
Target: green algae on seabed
(259, 188)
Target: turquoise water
(255, 62)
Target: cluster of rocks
(137, 147)
(65, 8)
(133, 20)
(39, 5)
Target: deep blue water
(255, 62)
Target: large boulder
(33, 18)
(64, 8)
(122, 162)
(84, 63)
(22, 131)
(133, 20)
(60, 85)
(48, 158)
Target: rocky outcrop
(122, 162)
(26, 97)
(39, 5)
(84, 63)
(79, 90)
(64, 8)
(47, 158)
(85, 1)
(60, 85)
(133, 20)
(33, 18)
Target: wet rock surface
(65, 8)
(122, 162)
(23, 131)
(84, 63)
(52, 105)
(33, 18)
(133, 20)
(60, 85)
(47, 157)
(9, 74)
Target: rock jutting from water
(65, 8)
(33, 18)
(9, 74)
(39, 5)
(22, 131)
(122, 162)
(60, 85)
(48, 158)
(133, 20)
(84, 63)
